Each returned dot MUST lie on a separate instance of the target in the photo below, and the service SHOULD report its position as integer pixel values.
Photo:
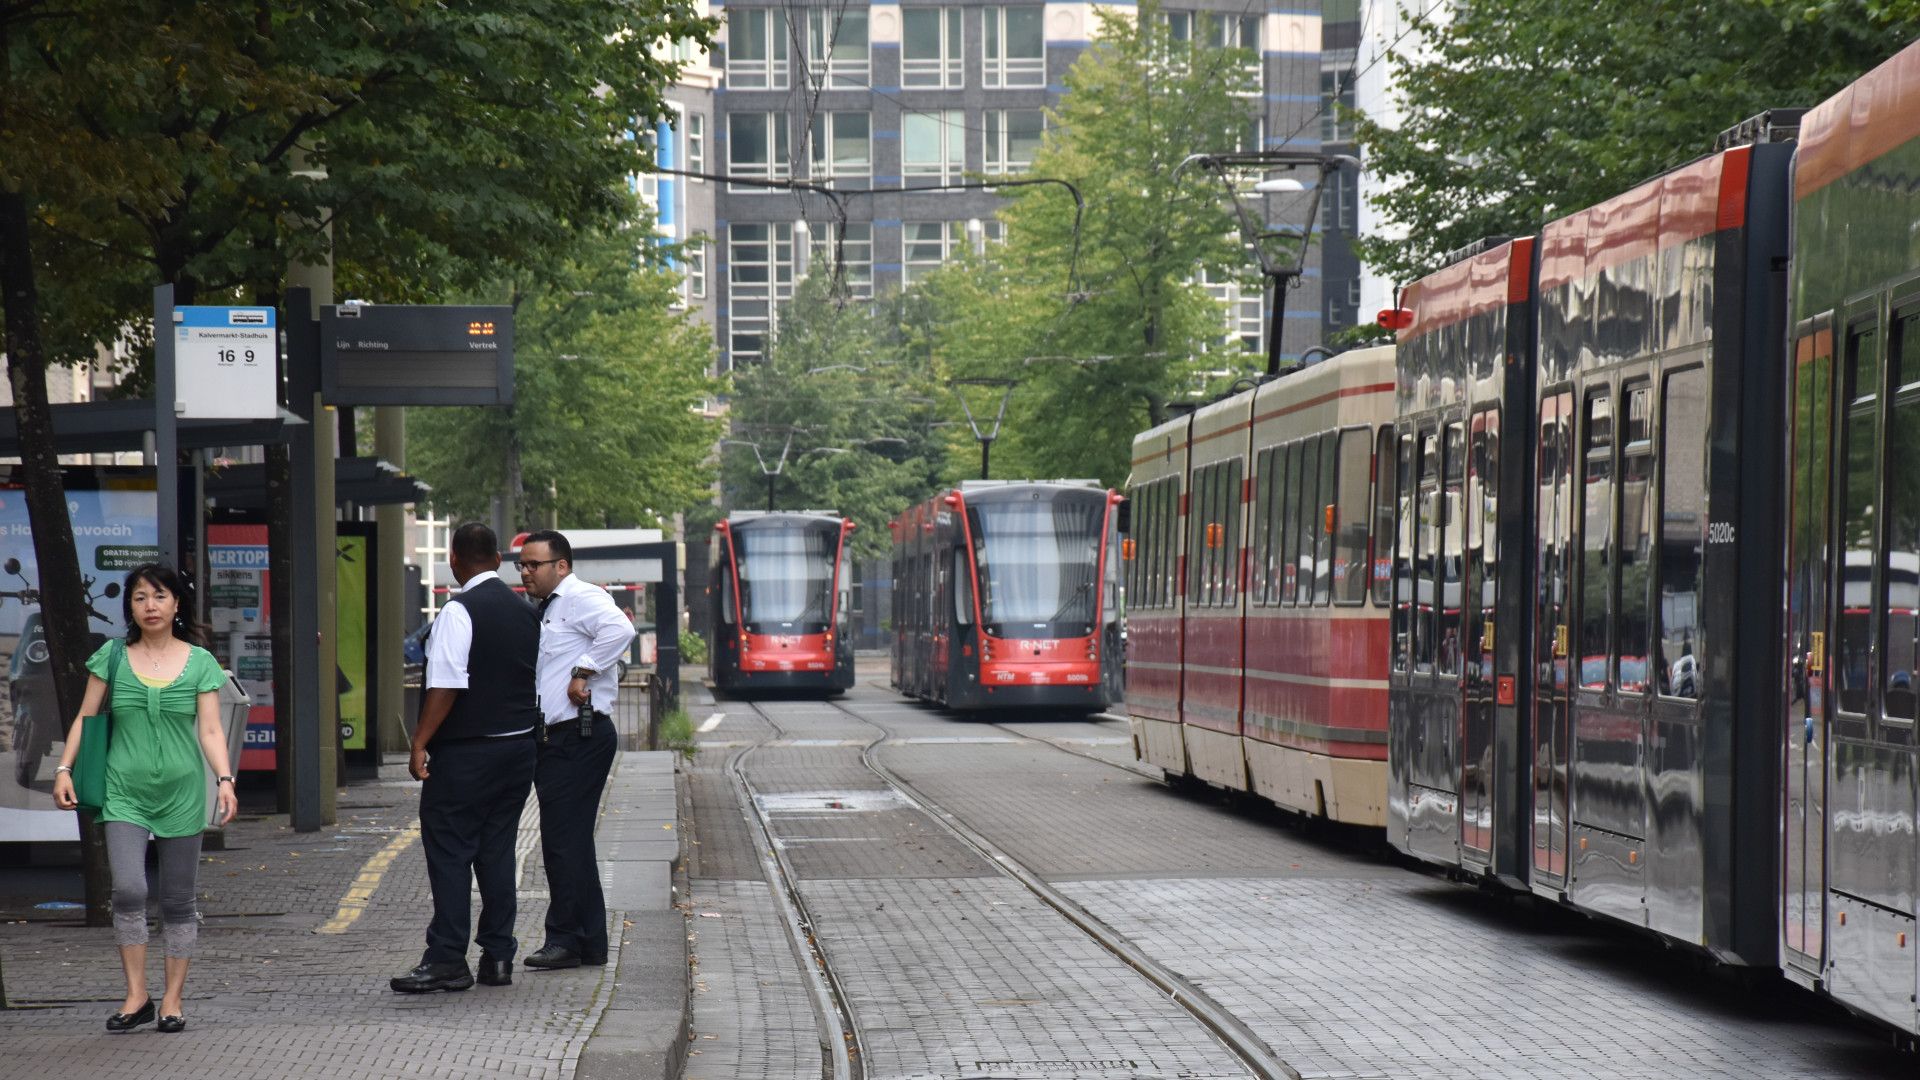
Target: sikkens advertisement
(114, 528)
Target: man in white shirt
(473, 749)
(582, 637)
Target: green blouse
(156, 773)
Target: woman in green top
(166, 716)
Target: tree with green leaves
(606, 428)
(842, 382)
(1101, 356)
(144, 142)
(1521, 111)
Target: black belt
(545, 732)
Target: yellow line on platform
(355, 902)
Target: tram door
(1552, 678)
(1803, 919)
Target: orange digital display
(479, 329)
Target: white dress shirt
(581, 628)
(449, 642)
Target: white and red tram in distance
(1256, 599)
(782, 584)
(1006, 596)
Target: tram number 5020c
(1719, 532)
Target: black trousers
(469, 812)
(571, 775)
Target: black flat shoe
(496, 972)
(129, 1021)
(552, 958)
(171, 1024)
(427, 978)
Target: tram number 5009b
(1719, 532)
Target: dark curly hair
(174, 583)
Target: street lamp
(1282, 274)
(1005, 386)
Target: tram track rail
(1229, 1030)
(840, 1046)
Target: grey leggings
(179, 864)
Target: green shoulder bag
(96, 736)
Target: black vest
(500, 696)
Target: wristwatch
(584, 673)
(225, 780)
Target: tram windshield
(1038, 563)
(786, 578)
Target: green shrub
(676, 733)
(693, 648)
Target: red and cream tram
(1257, 617)
(1006, 596)
(781, 584)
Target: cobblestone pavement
(269, 997)
(1346, 962)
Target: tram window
(962, 588)
(1426, 542)
(1483, 521)
(1596, 543)
(1306, 521)
(1901, 574)
(1683, 495)
(1380, 544)
(1636, 538)
(1403, 517)
(1350, 517)
(1323, 524)
(1449, 577)
(1146, 553)
(1233, 488)
(1276, 523)
(727, 602)
(1168, 544)
(1858, 482)
(1196, 535)
(1290, 536)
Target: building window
(696, 268)
(1014, 53)
(1336, 98)
(1013, 137)
(927, 245)
(759, 283)
(841, 145)
(837, 48)
(1243, 308)
(696, 143)
(1252, 136)
(757, 147)
(756, 49)
(933, 145)
(1179, 26)
(930, 49)
(857, 251)
(1233, 32)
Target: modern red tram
(782, 586)
(1006, 596)
(1256, 600)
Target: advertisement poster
(352, 564)
(114, 527)
(238, 611)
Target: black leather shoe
(553, 957)
(427, 978)
(496, 972)
(129, 1021)
(171, 1024)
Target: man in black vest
(477, 718)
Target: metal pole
(771, 477)
(298, 718)
(986, 446)
(166, 440)
(1276, 322)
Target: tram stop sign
(416, 354)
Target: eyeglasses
(535, 564)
